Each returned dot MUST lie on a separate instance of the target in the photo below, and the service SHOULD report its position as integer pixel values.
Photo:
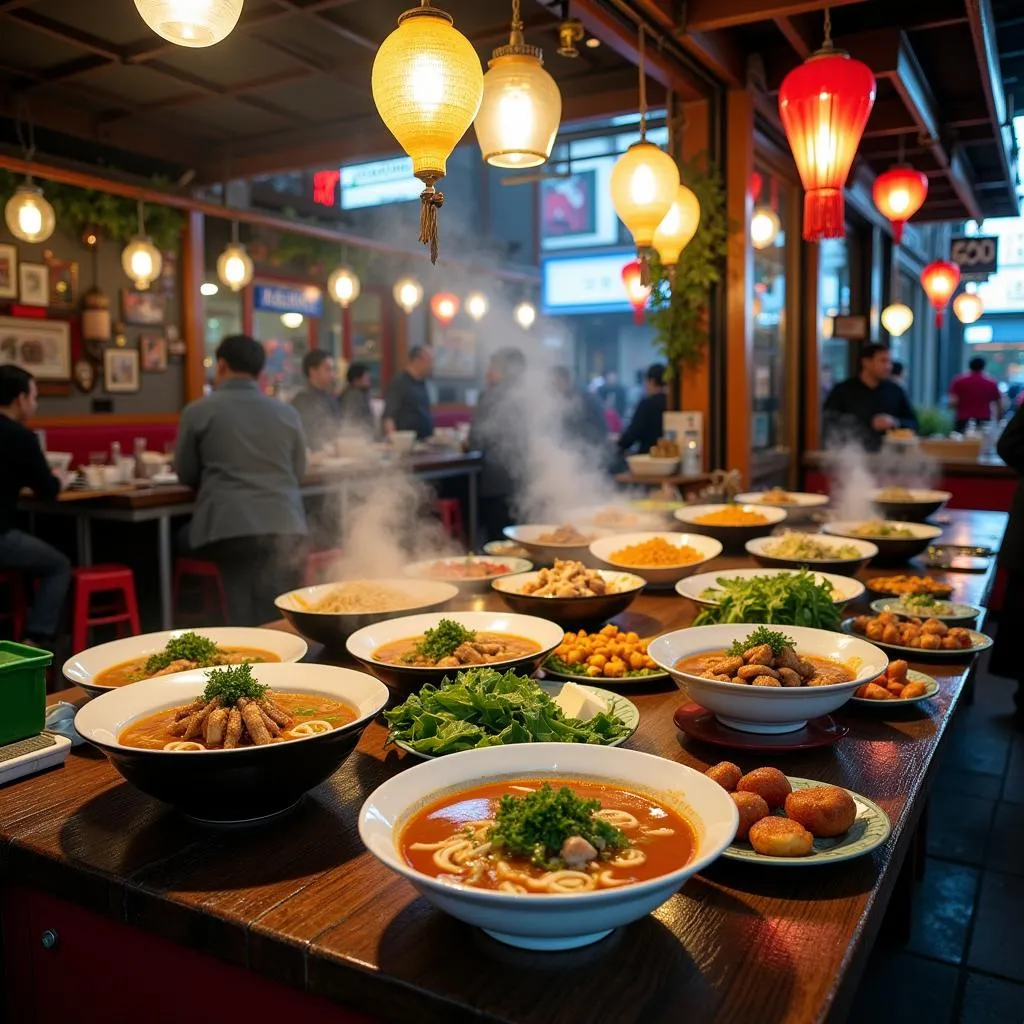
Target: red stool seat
(17, 607)
(318, 564)
(450, 511)
(122, 610)
(202, 577)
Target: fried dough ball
(726, 774)
(914, 690)
(872, 691)
(825, 811)
(897, 670)
(752, 809)
(769, 784)
(780, 837)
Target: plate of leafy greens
(483, 707)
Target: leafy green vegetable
(441, 641)
(775, 640)
(537, 824)
(785, 599)
(187, 647)
(233, 683)
(482, 707)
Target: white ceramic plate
(760, 546)
(914, 496)
(918, 531)
(844, 588)
(981, 642)
(914, 677)
(689, 515)
(659, 576)
(957, 612)
(654, 675)
(802, 506)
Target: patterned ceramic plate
(979, 642)
(870, 829)
(551, 669)
(625, 709)
(914, 677)
(955, 613)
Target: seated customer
(24, 465)
(354, 407)
(245, 454)
(647, 424)
(316, 404)
(407, 401)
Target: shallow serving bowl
(652, 465)
(83, 668)
(657, 576)
(732, 538)
(363, 643)
(802, 507)
(629, 518)
(844, 588)
(545, 553)
(332, 629)
(477, 585)
(549, 922)
(571, 611)
(756, 548)
(919, 506)
(891, 549)
(767, 709)
(243, 784)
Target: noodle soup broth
(134, 670)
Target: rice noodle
(631, 857)
(445, 857)
(508, 886)
(658, 831)
(620, 819)
(359, 596)
(569, 881)
(609, 881)
(316, 727)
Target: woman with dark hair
(647, 424)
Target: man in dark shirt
(647, 425)
(316, 404)
(407, 402)
(354, 403)
(864, 407)
(24, 465)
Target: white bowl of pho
(656, 823)
(233, 744)
(108, 666)
(470, 573)
(765, 679)
(417, 649)
(546, 542)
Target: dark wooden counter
(300, 902)
(985, 465)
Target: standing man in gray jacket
(245, 454)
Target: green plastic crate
(22, 691)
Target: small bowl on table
(546, 552)
(800, 507)
(759, 549)
(890, 549)
(732, 538)
(444, 570)
(915, 506)
(571, 612)
(604, 551)
(652, 465)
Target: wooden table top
(301, 901)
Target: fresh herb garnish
(187, 647)
(774, 639)
(537, 824)
(231, 684)
(441, 641)
(785, 599)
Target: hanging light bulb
(897, 319)
(525, 314)
(636, 290)
(427, 83)
(343, 286)
(445, 307)
(190, 22)
(968, 307)
(292, 320)
(477, 305)
(234, 265)
(28, 213)
(677, 228)
(140, 258)
(764, 227)
(939, 280)
(521, 106)
(824, 105)
(899, 193)
(408, 293)
(208, 288)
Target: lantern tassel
(897, 231)
(823, 214)
(645, 268)
(430, 202)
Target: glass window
(368, 334)
(286, 338)
(222, 315)
(834, 288)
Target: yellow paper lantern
(408, 293)
(677, 227)
(968, 307)
(645, 183)
(28, 213)
(477, 305)
(343, 286)
(897, 319)
(190, 22)
(141, 261)
(427, 83)
(764, 227)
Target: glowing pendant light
(427, 84)
(140, 258)
(234, 265)
(525, 314)
(343, 286)
(636, 290)
(824, 104)
(521, 107)
(477, 305)
(968, 307)
(764, 227)
(190, 22)
(939, 280)
(677, 228)
(28, 213)
(445, 307)
(897, 319)
(899, 193)
(408, 293)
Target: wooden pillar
(810, 342)
(193, 271)
(739, 280)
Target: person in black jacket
(646, 426)
(23, 464)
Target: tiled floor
(964, 960)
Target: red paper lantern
(939, 280)
(824, 105)
(445, 307)
(899, 193)
(636, 291)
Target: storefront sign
(275, 298)
(378, 183)
(850, 328)
(977, 256)
(584, 284)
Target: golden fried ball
(769, 784)
(726, 774)
(825, 811)
(780, 837)
(752, 809)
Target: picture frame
(42, 347)
(455, 350)
(63, 282)
(8, 272)
(121, 371)
(144, 309)
(153, 352)
(34, 284)
(85, 375)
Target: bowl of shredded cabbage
(846, 556)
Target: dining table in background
(295, 916)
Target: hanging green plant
(678, 309)
(315, 257)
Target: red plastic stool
(202, 577)
(18, 607)
(450, 511)
(317, 564)
(122, 611)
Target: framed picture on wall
(146, 309)
(63, 282)
(121, 370)
(34, 284)
(8, 272)
(153, 352)
(455, 350)
(43, 347)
